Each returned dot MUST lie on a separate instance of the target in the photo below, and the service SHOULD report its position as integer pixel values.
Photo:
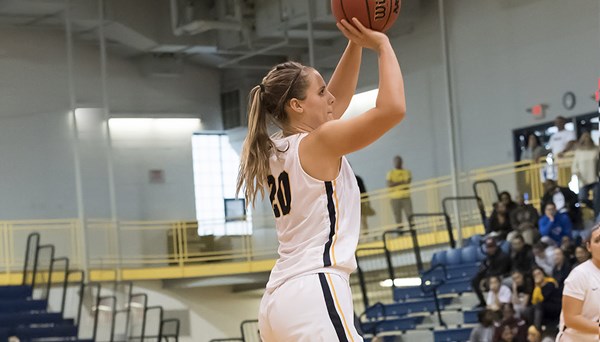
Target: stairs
(27, 318)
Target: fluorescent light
(401, 282)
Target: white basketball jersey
(318, 222)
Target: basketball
(378, 15)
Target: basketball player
(313, 191)
(581, 298)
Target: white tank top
(318, 222)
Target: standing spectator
(546, 300)
(533, 149)
(585, 167)
(522, 288)
(563, 140)
(521, 255)
(498, 294)
(398, 180)
(484, 332)
(515, 326)
(365, 205)
(524, 212)
(499, 224)
(544, 256)
(555, 224)
(564, 199)
(497, 263)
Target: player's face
(318, 104)
(594, 246)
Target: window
(215, 175)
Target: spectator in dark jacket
(555, 224)
(521, 255)
(562, 267)
(523, 213)
(546, 300)
(497, 263)
(499, 223)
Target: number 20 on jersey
(280, 194)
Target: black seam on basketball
(344, 11)
(331, 211)
(368, 14)
(391, 10)
(331, 310)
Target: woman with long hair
(312, 189)
(581, 298)
(585, 166)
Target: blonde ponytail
(254, 161)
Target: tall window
(215, 174)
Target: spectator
(563, 140)
(398, 180)
(555, 224)
(521, 255)
(562, 267)
(523, 212)
(581, 255)
(533, 149)
(499, 224)
(534, 335)
(522, 288)
(546, 300)
(515, 326)
(529, 231)
(497, 263)
(498, 295)
(585, 167)
(564, 199)
(568, 248)
(544, 256)
(484, 332)
(508, 202)
(365, 205)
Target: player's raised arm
(345, 136)
(344, 79)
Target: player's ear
(296, 106)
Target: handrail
(160, 318)
(35, 268)
(477, 200)
(484, 181)
(427, 287)
(177, 327)
(27, 250)
(361, 276)
(64, 285)
(412, 225)
(245, 322)
(144, 306)
(416, 250)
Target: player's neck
(596, 263)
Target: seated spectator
(554, 224)
(544, 256)
(522, 288)
(529, 231)
(499, 224)
(484, 331)
(497, 295)
(523, 213)
(521, 255)
(546, 300)
(517, 328)
(508, 202)
(534, 335)
(568, 248)
(562, 267)
(496, 263)
(565, 200)
(581, 255)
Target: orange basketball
(378, 15)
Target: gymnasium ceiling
(225, 34)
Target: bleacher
(58, 305)
(437, 310)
